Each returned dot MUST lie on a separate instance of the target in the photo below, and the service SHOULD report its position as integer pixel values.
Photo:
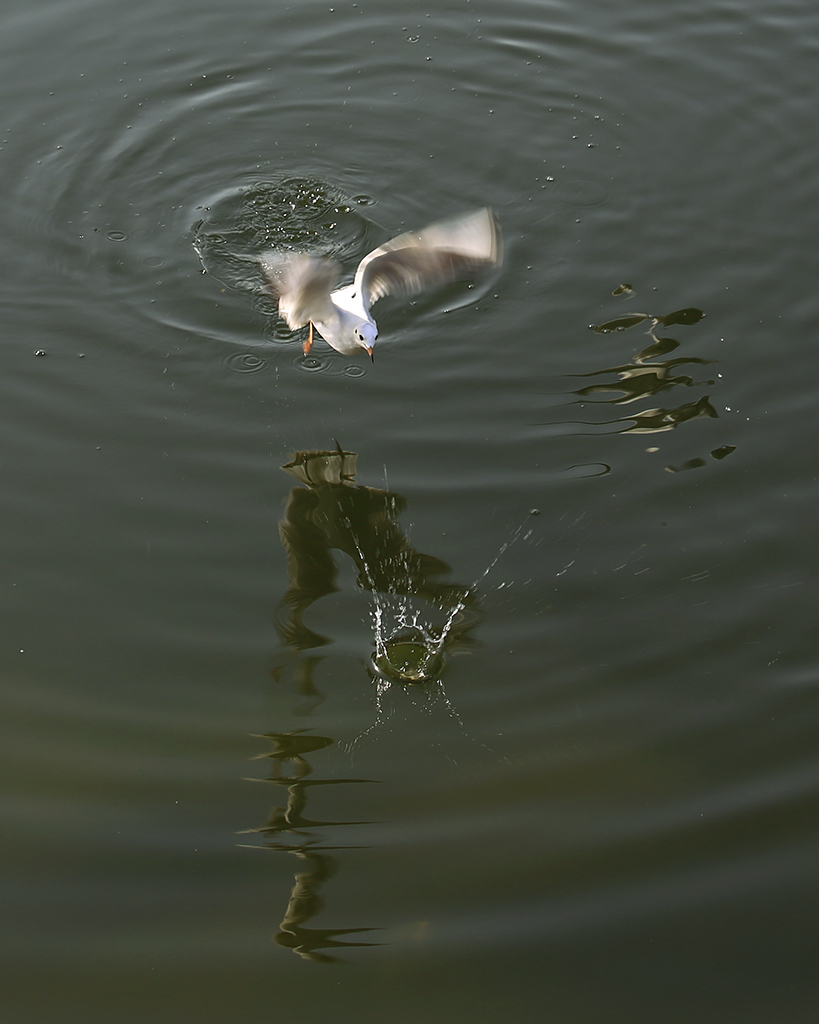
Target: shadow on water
(417, 619)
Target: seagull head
(365, 335)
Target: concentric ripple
(329, 363)
(284, 212)
(245, 362)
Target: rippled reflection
(649, 375)
(653, 421)
(290, 830)
(331, 513)
(416, 618)
(654, 388)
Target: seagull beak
(370, 353)
(309, 343)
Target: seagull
(443, 252)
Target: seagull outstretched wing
(446, 251)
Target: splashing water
(409, 646)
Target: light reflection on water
(648, 375)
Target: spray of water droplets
(397, 614)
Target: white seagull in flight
(446, 251)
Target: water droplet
(311, 364)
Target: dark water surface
(602, 803)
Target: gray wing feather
(446, 251)
(303, 284)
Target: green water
(601, 803)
